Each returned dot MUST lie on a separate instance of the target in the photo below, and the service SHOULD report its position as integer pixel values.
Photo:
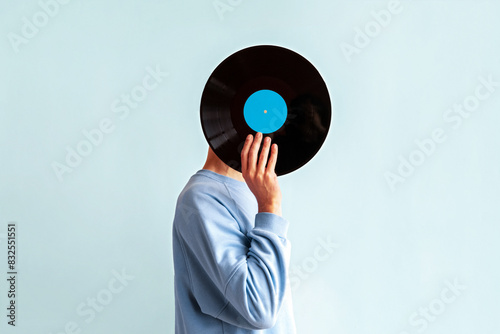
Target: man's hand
(261, 179)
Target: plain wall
(367, 257)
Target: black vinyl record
(266, 89)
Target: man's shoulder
(202, 197)
(201, 188)
(202, 184)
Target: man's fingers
(254, 150)
(264, 154)
(244, 154)
(273, 158)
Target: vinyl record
(266, 89)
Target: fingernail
(249, 137)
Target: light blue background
(396, 249)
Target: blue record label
(265, 111)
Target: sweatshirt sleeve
(250, 271)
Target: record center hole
(265, 111)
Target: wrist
(271, 208)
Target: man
(231, 254)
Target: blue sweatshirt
(231, 263)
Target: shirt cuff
(273, 223)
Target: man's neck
(214, 164)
